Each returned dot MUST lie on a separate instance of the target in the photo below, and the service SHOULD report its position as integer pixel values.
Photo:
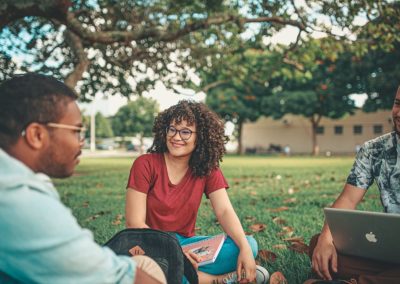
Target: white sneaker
(262, 276)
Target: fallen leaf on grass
(267, 255)
(278, 278)
(258, 227)
(294, 239)
(286, 231)
(299, 247)
(279, 246)
(290, 200)
(117, 220)
(292, 190)
(279, 209)
(95, 216)
(250, 218)
(279, 220)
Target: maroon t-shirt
(171, 207)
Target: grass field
(280, 197)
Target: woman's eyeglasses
(184, 133)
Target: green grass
(257, 184)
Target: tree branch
(212, 85)
(76, 45)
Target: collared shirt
(41, 241)
(378, 160)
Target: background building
(341, 136)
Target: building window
(338, 129)
(357, 129)
(378, 129)
(320, 130)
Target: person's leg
(149, 266)
(226, 261)
(227, 258)
(389, 276)
(363, 269)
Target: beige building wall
(295, 131)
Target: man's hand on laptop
(324, 257)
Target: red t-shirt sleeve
(140, 176)
(215, 181)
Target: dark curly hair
(210, 141)
(30, 98)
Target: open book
(208, 249)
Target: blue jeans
(227, 258)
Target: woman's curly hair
(210, 139)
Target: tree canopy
(126, 46)
(135, 118)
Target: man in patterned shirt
(377, 160)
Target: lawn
(278, 199)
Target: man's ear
(36, 135)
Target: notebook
(366, 234)
(208, 248)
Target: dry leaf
(253, 193)
(257, 227)
(279, 246)
(250, 218)
(117, 220)
(279, 209)
(299, 247)
(294, 239)
(286, 231)
(279, 221)
(95, 216)
(277, 278)
(290, 200)
(267, 255)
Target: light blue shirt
(41, 241)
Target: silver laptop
(367, 234)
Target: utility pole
(92, 131)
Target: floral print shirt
(378, 159)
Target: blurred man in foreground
(41, 135)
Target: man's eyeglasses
(184, 133)
(79, 130)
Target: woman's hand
(246, 266)
(194, 259)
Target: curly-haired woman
(166, 185)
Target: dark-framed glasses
(79, 130)
(184, 133)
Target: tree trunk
(141, 148)
(314, 125)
